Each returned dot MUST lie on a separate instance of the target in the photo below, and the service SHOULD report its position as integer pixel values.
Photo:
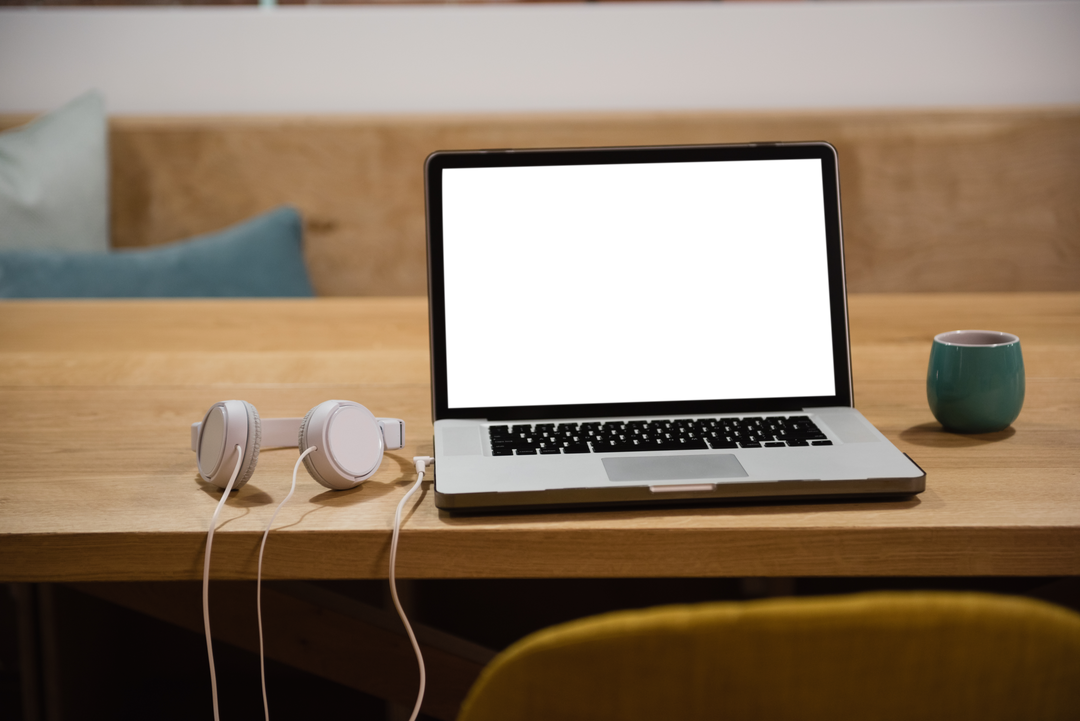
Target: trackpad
(674, 468)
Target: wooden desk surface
(97, 481)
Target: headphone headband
(276, 433)
(284, 432)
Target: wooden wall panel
(933, 201)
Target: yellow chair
(871, 657)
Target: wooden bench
(967, 200)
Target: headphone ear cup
(348, 444)
(251, 450)
(225, 426)
(303, 444)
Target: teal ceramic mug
(975, 383)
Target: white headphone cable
(421, 462)
(206, 579)
(258, 579)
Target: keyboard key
(616, 447)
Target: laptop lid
(621, 282)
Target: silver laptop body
(614, 326)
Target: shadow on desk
(933, 435)
(697, 508)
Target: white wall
(390, 59)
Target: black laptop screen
(635, 284)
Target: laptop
(643, 326)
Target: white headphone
(349, 441)
(342, 445)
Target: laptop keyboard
(682, 434)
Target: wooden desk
(98, 483)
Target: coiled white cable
(206, 579)
(258, 579)
(420, 462)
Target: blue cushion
(258, 258)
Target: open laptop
(614, 326)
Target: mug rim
(957, 338)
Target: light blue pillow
(54, 180)
(258, 258)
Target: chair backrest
(878, 656)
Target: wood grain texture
(98, 482)
(972, 200)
